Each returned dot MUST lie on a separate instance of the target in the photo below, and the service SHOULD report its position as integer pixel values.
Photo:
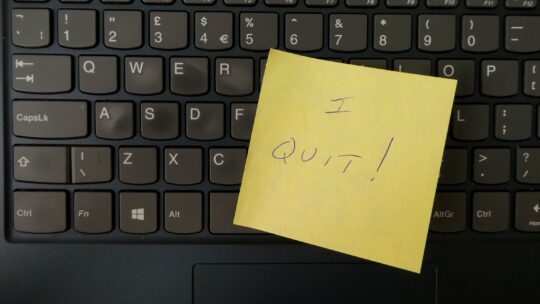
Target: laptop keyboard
(129, 120)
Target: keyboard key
(401, 3)
(144, 75)
(470, 122)
(240, 2)
(31, 27)
(92, 211)
(480, 33)
(463, 71)
(123, 29)
(362, 3)
(242, 118)
(392, 33)
(183, 166)
(481, 3)
(513, 122)
(205, 121)
(114, 120)
(160, 120)
(138, 212)
(158, 1)
(222, 208)
(32, 73)
(491, 211)
(303, 32)
(39, 211)
(189, 76)
(199, 2)
(436, 33)
(491, 166)
(91, 165)
(168, 30)
(98, 74)
(227, 165)
(521, 34)
(183, 212)
(50, 119)
(213, 30)
(441, 3)
(372, 63)
(234, 76)
(525, 4)
(528, 211)
(321, 3)
(138, 166)
(416, 66)
(449, 212)
(348, 32)
(531, 78)
(280, 2)
(41, 164)
(258, 31)
(499, 77)
(454, 167)
(77, 28)
(528, 165)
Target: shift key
(50, 119)
(42, 73)
(41, 164)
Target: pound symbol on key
(338, 24)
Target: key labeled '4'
(213, 31)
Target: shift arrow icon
(23, 162)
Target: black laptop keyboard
(129, 121)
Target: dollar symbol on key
(204, 21)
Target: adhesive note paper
(346, 157)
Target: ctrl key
(528, 211)
(449, 212)
(39, 211)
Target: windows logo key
(137, 214)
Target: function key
(362, 3)
(31, 27)
(158, 1)
(138, 212)
(442, 3)
(525, 4)
(116, 1)
(213, 30)
(75, 1)
(401, 3)
(199, 2)
(481, 3)
(449, 212)
(240, 2)
(92, 211)
(39, 211)
(528, 211)
(123, 29)
(31, 1)
(320, 3)
(280, 2)
(392, 33)
(303, 32)
(77, 28)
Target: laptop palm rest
(311, 283)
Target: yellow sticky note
(346, 157)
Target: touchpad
(311, 283)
